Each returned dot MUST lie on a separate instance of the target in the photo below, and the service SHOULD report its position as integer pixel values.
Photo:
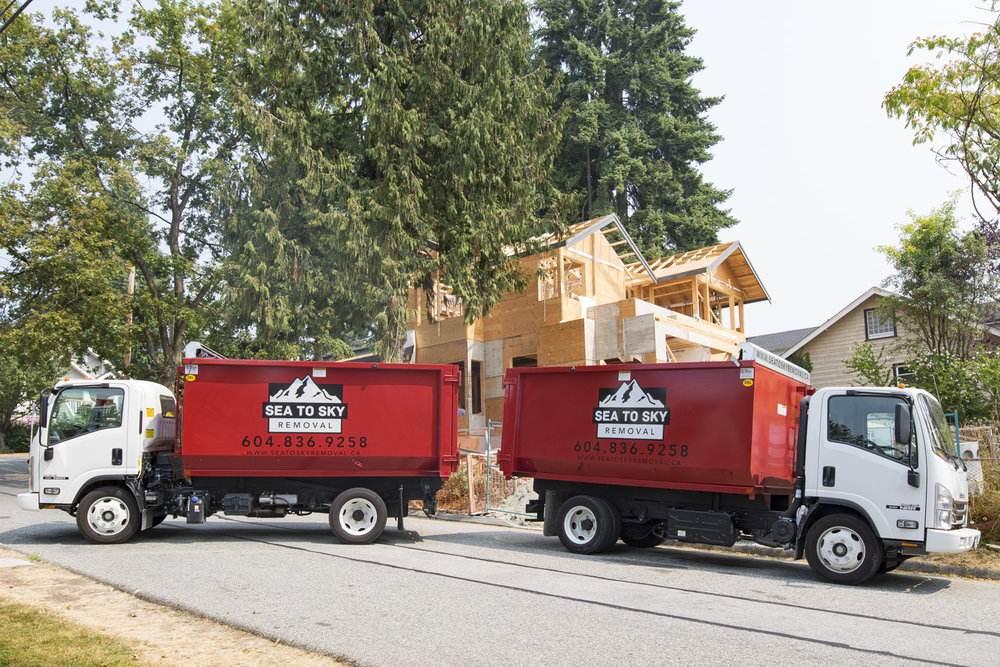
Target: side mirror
(47, 455)
(913, 478)
(904, 424)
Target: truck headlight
(944, 504)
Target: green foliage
(954, 100)
(802, 360)
(987, 373)
(944, 292)
(869, 366)
(944, 288)
(636, 134)
(17, 439)
(955, 383)
(108, 191)
(394, 144)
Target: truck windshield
(77, 411)
(942, 441)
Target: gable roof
(706, 261)
(780, 341)
(874, 291)
(582, 230)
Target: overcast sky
(820, 175)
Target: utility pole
(128, 317)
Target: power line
(18, 11)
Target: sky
(820, 174)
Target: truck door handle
(829, 476)
(116, 456)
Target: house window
(878, 324)
(903, 374)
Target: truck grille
(959, 515)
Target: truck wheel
(588, 525)
(357, 516)
(841, 548)
(640, 535)
(108, 515)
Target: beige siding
(829, 349)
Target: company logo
(304, 407)
(632, 412)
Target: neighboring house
(829, 344)
(593, 299)
(89, 367)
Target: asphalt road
(458, 593)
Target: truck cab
(886, 457)
(92, 436)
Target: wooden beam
(562, 273)
(670, 353)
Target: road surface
(457, 593)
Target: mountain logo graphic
(631, 412)
(631, 395)
(303, 390)
(302, 406)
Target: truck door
(85, 437)
(860, 464)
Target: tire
(640, 535)
(357, 516)
(588, 525)
(842, 549)
(108, 515)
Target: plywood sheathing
(588, 301)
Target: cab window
(77, 411)
(868, 422)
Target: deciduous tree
(137, 120)
(953, 103)
(943, 289)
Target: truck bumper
(28, 500)
(952, 541)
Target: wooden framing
(588, 305)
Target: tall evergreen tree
(636, 133)
(397, 143)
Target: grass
(30, 637)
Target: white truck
(855, 479)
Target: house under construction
(592, 299)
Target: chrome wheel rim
(841, 549)
(108, 516)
